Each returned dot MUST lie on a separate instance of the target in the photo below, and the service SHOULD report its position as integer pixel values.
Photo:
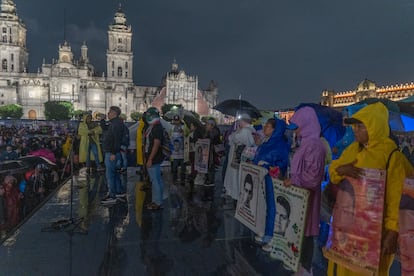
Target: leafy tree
(77, 114)
(13, 111)
(136, 116)
(58, 110)
(167, 107)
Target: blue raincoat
(273, 152)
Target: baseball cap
(350, 121)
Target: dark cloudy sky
(275, 53)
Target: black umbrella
(233, 107)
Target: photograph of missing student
(291, 206)
(355, 234)
(202, 151)
(252, 203)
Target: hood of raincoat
(375, 119)
(307, 121)
(275, 151)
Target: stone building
(367, 89)
(75, 80)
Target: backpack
(166, 145)
(125, 136)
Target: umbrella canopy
(233, 107)
(187, 116)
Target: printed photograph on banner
(177, 151)
(252, 202)
(202, 151)
(291, 206)
(355, 235)
(186, 149)
(406, 241)
(236, 156)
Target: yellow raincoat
(375, 155)
(139, 141)
(83, 132)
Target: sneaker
(267, 247)
(122, 195)
(100, 168)
(122, 170)
(258, 239)
(108, 201)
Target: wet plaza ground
(192, 235)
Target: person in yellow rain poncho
(139, 141)
(89, 148)
(371, 149)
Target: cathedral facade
(75, 80)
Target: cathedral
(75, 80)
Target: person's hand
(287, 182)
(149, 163)
(389, 242)
(112, 157)
(350, 170)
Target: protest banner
(406, 234)
(291, 207)
(202, 151)
(251, 206)
(355, 235)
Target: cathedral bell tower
(119, 55)
(13, 52)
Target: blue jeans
(174, 169)
(94, 148)
(112, 176)
(157, 183)
(270, 209)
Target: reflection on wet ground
(190, 236)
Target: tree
(136, 116)
(167, 107)
(58, 110)
(77, 114)
(13, 111)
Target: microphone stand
(70, 224)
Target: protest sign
(291, 207)
(355, 234)
(202, 151)
(251, 206)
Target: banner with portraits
(355, 235)
(406, 234)
(251, 206)
(202, 151)
(290, 221)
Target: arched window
(126, 64)
(119, 71)
(113, 64)
(4, 64)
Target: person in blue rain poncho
(273, 152)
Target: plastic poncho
(139, 142)
(271, 153)
(83, 132)
(375, 155)
(308, 164)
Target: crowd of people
(108, 145)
